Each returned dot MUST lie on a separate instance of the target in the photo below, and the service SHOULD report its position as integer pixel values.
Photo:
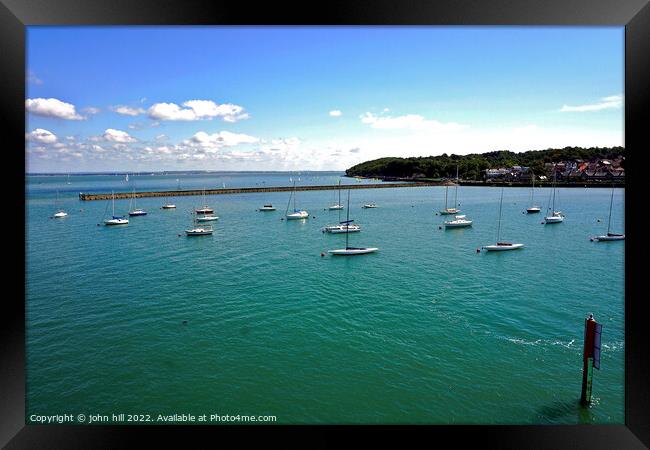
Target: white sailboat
(532, 209)
(553, 216)
(337, 205)
(454, 210)
(59, 214)
(351, 251)
(501, 246)
(116, 220)
(268, 207)
(206, 209)
(610, 236)
(370, 205)
(297, 214)
(136, 211)
(199, 230)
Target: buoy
(97, 224)
(440, 227)
(184, 322)
(478, 250)
(322, 254)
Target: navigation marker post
(591, 357)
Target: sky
(154, 98)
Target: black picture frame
(15, 15)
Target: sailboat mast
(113, 193)
(611, 201)
(499, 223)
(347, 223)
(456, 191)
(294, 196)
(446, 194)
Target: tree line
(472, 166)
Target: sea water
(141, 319)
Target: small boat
(206, 209)
(199, 230)
(369, 205)
(207, 218)
(500, 245)
(168, 206)
(351, 251)
(267, 208)
(59, 214)
(116, 220)
(337, 205)
(136, 211)
(458, 222)
(297, 214)
(553, 216)
(610, 236)
(343, 227)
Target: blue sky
(313, 98)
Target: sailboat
(553, 216)
(501, 246)
(610, 236)
(297, 213)
(337, 205)
(68, 180)
(59, 214)
(532, 209)
(206, 209)
(198, 230)
(116, 220)
(370, 205)
(126, 178)
(168, 205)
(136, 211)
(454, 210)
(351, 251)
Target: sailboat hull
(339, 229)
(502, 248)
(207, 218)
(298, 215)
(60, 215)
(616, 237)
(335, 207)
(553, 219)
(112, 222)
(352, 251)
(447, 212)
(137, 213)
(533, 210)
(168, 206)
(458, 224)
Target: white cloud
(127, 110)
(41, 135)
(117, 136)
(52, 107)
(197, 110)
(613, 101)
(414, 122)
(91, 110)
(213, 142)
(336, 113)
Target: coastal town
(576, 170)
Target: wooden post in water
(591, 357)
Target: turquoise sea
(253, 321)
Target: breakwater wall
(222, 191)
